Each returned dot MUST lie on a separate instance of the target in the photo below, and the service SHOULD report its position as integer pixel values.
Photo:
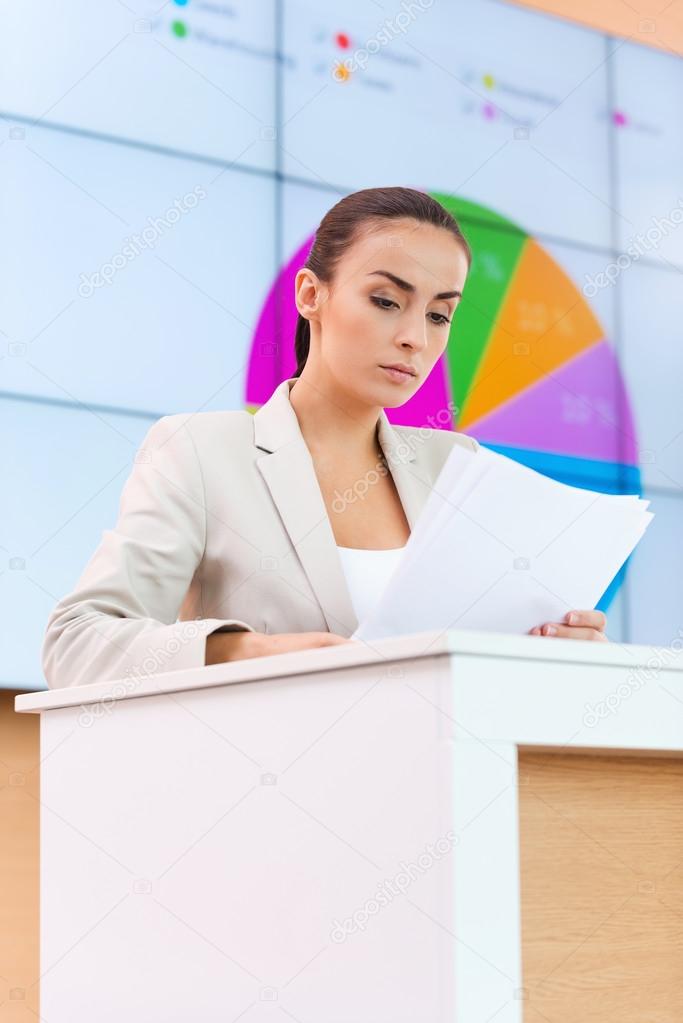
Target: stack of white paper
(501, 547)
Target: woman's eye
(377, 299)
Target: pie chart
(528, 366)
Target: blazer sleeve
(121, 618)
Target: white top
(367, 573)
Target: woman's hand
(239, 646)
(577, 625)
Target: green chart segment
(497, 246)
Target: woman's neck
(332, 422)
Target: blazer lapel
(411, 484)
(288, 471)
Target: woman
(240, 536)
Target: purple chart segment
(580, 409)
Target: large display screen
(164, 169)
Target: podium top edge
(385, 651)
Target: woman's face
(391, 301)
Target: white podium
(325, 836)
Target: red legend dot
(342, 40)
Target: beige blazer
(221, 525)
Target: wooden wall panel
(601, 844)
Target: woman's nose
(414, 334)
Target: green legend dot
(179, 28)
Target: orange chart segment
(543, 322)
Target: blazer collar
(276, 424)
(288, 470)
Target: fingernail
(571, 619)
(550, 630)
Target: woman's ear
(310, 293)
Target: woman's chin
(395, 403)
(394, 397)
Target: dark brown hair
(342, 225)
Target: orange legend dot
(341, 72)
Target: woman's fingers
(568, 631)
(591, 619)
(577, 625)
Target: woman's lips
(397, 374)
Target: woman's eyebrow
(406, 286)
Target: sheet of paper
(501, 547)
